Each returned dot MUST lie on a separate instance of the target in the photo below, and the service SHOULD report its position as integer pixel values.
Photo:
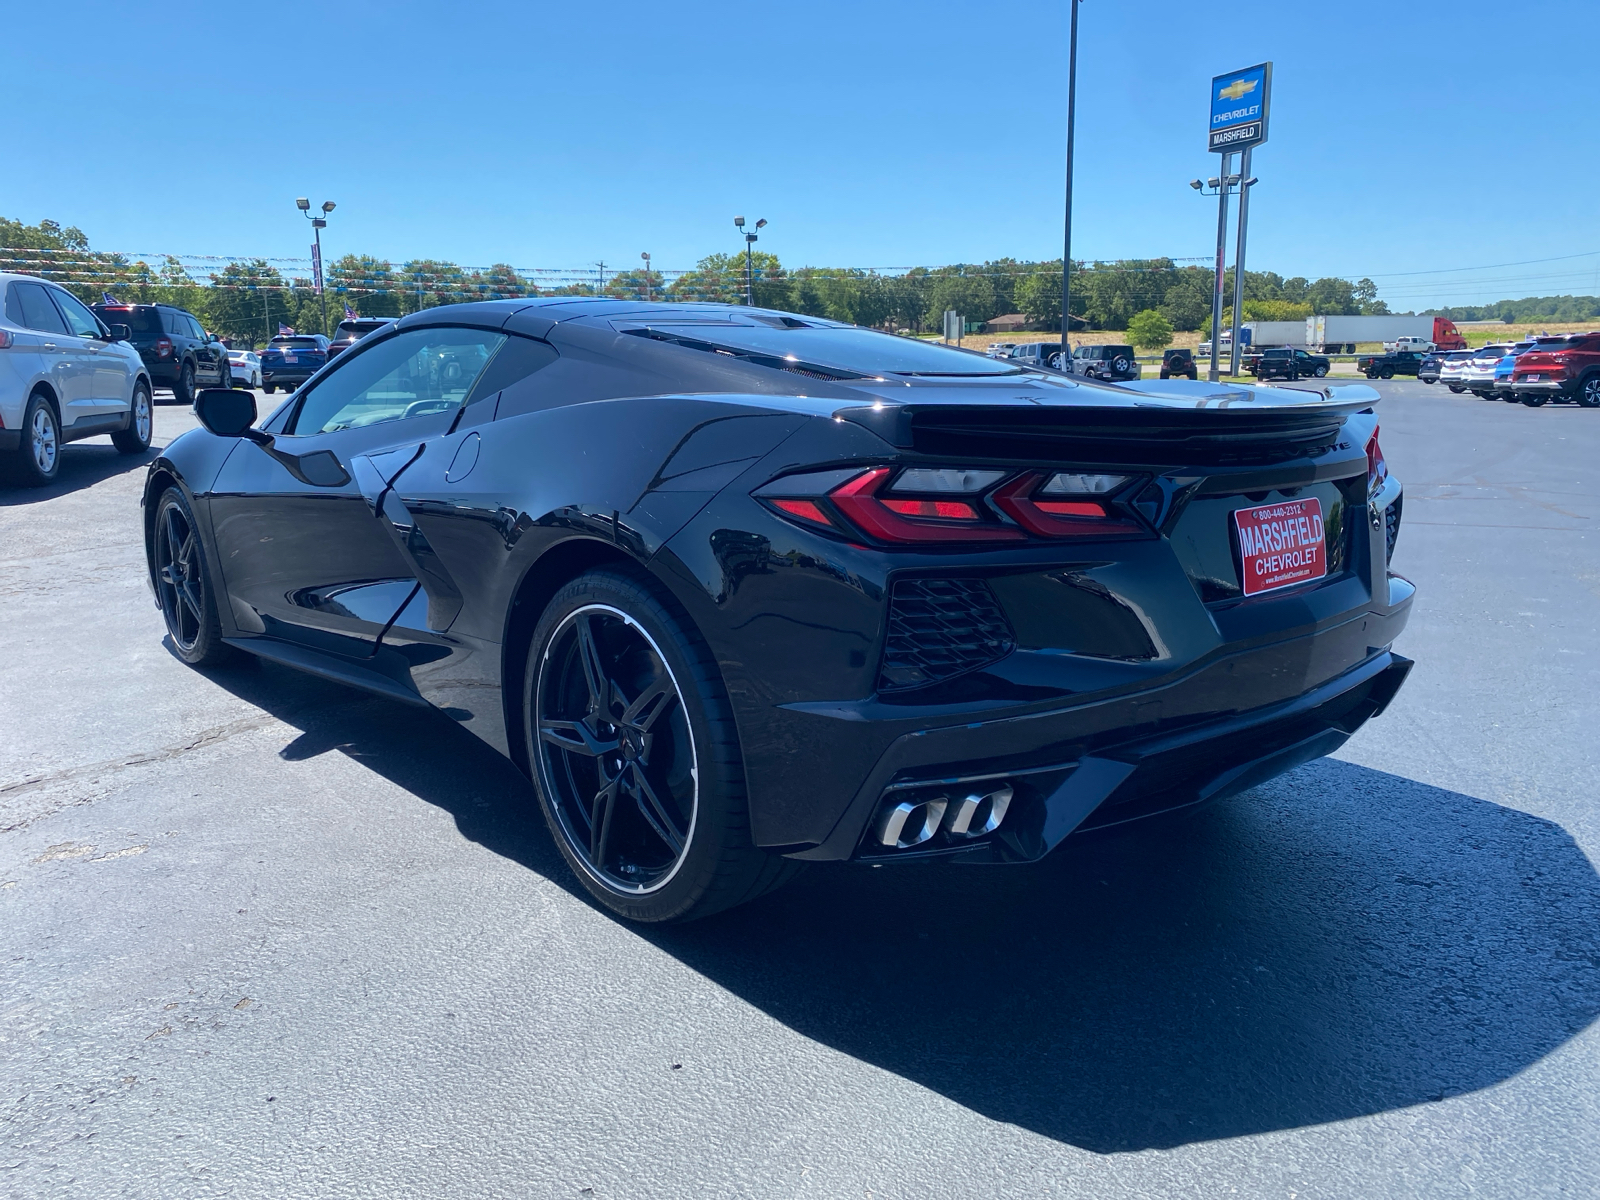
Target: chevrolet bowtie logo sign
(1239, 101)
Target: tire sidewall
(208, 647)
(720, 791)
(27, 468)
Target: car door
(70, 362)
(111, 381)
(312, 546)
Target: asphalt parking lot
(267, 937)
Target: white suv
(63, 376)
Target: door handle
(49, 345)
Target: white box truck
(1334, 335)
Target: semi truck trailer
(1334, 335)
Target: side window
(169, 323)
(411, 374)
(37, 311)
(79, 319)
(14, 306)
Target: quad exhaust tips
(911, 822)
(978, 813)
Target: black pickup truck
(1387, 366)
(1284, 362)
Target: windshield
(860, 350)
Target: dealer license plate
(1280, 545)
(1531, 378)
(294, 358)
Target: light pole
(318, 224)
(645, 254)
(1246, 182)
(1066, 249)
(1221, 186)
(749, 258)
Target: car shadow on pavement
(83, 464)
(1337, 943)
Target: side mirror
(120, 333)
(227, 412)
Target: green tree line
(1530, 308)
(248, 300)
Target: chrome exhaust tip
(978, 813)
(911, 822)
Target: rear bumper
(294, 375)
(1549, 386)
(1115, 760)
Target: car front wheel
(177, 560)
(135, 439)
(1320, 372)
(1588, 393)
(636, 757)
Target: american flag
(108, 298)
(284, 330)
(349, 313)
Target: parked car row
(1534, 371)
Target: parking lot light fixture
(318, 224)
(1196, 184)
(645, 254)
(749, 258)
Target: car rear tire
(38, 459)
(183, 585)
(1588, 393)
(1386, 373)
(635, 755)
(1533, 399)
(1320, 372)
(1455, 388)
(183, 389)
(135, 439)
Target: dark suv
(1179, 362)
(291, 359)
(176, 351)
(1284, 362)
(1114, 363)
(352, 329)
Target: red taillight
(5, 339)
(163, 347)
(1377, 469)
(947, 510)
(1052, 518)
(858, 500)
(806, 510)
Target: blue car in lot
(1504, 368)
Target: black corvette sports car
(740, 589)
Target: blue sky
(871, 133)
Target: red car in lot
(1560, 369)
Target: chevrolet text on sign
(1239, 104)
(1280, 545)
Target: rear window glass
(295, 343)
(849, 349)
(142, 321)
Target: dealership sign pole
(1240, 103)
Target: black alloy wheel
(1588, 393)
(183, 390)
(182, 586)
(635, 755)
